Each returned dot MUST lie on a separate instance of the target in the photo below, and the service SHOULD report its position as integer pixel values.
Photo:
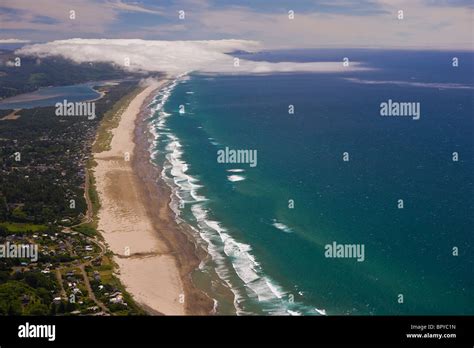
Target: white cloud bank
(174, 57)
(435, 85)
(13, 41)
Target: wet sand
(155, 259)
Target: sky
(431, 24)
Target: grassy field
(87, 229)
(111, 120)
(22, 227)
(92, 192)
(104, 135)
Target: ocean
(332, 172)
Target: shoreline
(187, 254)
(155, 259)
(206, 292)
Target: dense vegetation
(43, 163)
(45, 184)
(34, 73)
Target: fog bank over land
(175, 57)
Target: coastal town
(48, 207)
(75, 269)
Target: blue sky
(317, 23)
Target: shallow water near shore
(49, 96)
(273, 256)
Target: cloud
(434, 85)
(174, 57)
(132, 7)
(432, 24)
(312, 29)
(41, 19)
(459, 3)
(13, 41)
(53, 17)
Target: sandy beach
(135, 224)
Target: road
(103, 249)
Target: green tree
(37, 308)
(18, 214)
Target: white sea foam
(213, 141)
(321, 311)
(295, 313)
(281, 226)
(235, 178)
(230, 257)
(242, 261)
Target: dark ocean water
(272, 255)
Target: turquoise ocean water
(266, 227)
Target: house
(76, 291)
(116, 299)
(25, 299)
(115, 294)
(96, 275)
